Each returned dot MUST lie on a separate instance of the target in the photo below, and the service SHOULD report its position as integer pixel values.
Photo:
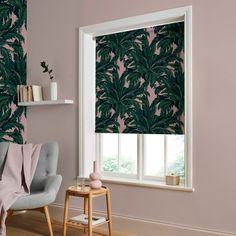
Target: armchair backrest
(47, 163)
(48, 158)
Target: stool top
(87, 190)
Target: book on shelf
(83, 219)
(25, 93)
(37, 93)
(29, 93)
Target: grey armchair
(45, 184)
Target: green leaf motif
(140, 81)
(12, 68)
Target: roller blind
(140, 81)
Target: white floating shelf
(47, 102)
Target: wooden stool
(88, 195)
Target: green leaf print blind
(140, 81)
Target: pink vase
(95, 178)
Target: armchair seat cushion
(38, 199)
(29, 201)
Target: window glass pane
(154, 155)
(128, 153)
(109, 152)
(175, 155)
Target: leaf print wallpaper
(12, 69)
(140, 81)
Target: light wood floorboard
(34, 224)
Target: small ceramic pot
(95, 184)
(95, 177)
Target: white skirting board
(140, 227)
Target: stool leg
(86, 206)
(109, 212)
(90, 213)
(85, 210)
(65, 214)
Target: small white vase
(53, 90)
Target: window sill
(148, 184)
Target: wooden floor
(34, 224)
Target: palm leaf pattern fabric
(12, 68)
(140, 81)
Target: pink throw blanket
(17, 175)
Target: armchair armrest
(52, 185)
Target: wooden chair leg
(46, 212)
(9, 214)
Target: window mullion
(119, 151)
(99, 142)
(165, 154)
(140, 161)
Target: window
(144, 157)
(118, 154)
(137, 158)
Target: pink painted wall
(52, 36)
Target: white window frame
(88, 148)
(140, 175)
